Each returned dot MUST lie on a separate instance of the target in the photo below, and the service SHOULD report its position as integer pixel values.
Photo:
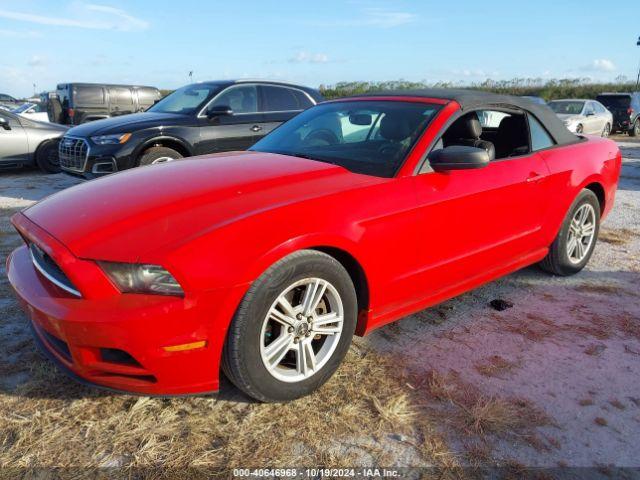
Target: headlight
(118, 138)
(141, 278)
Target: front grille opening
(113, 355)
(50, 269)
(73, 153)
(57, 344)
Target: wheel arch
(358, 277)
(598, 189)
(174, 143)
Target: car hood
(569, 117)
(122, 216)
(128, 123)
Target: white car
(33, 111)
(583, 116)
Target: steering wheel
(321, 138)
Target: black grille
(45, 265)
(73, 153)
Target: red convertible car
(264, 263)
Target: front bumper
(101, 160)
(118, 341)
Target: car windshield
(615, 101)
(369, 137)
(22, 108)
(186, 100)
(567, 107)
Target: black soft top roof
(473, 100)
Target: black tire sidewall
(153, 153)
(43, 158)
(248, 325)
(566, 266)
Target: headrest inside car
(394, 127)
(467, 126)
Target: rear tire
(634, 131)
(559, 261)
(155, 155)
(47, 157)
(280, 373)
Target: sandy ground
(568, 350)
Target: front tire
(634, 131)
(292, 329)
(606, 131)
(47, 157)
(572, 248)
(579, 129)
(154, 155)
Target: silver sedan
(27, 142)
(583, 116)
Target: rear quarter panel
(574, 167)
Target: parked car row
(202, 118)
(584, 116)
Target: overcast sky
(158, 42)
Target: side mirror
(219, 111)
(458, 157)
(4, 123)
(589, 114)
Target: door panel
(474, 221)
(227, 133)
(14, 144)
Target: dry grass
(621, 236)
(50, 421)
(476, 413)
(495, 366)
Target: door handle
(534, 177)
(256, 128)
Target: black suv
(625, 108)
(77, 103)
(196, 119)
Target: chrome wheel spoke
(587, 230)
(312, 296)
(277, 349)
(281, 318)
(305, 358)
(571, 246)
(328, 324)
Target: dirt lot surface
(551, 381)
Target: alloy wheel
(581, 233)
(301, 330)
(606, 131)
(162, 160)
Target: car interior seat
(466, 131)
(512, 137)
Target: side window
(491, 119)
(303, 99)
(588, 109)
(121, 97)
(88, 95)
(501, 134)
(539, 137)
(146, 96)
(241, 99)
(599, 108)
(280, 99)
